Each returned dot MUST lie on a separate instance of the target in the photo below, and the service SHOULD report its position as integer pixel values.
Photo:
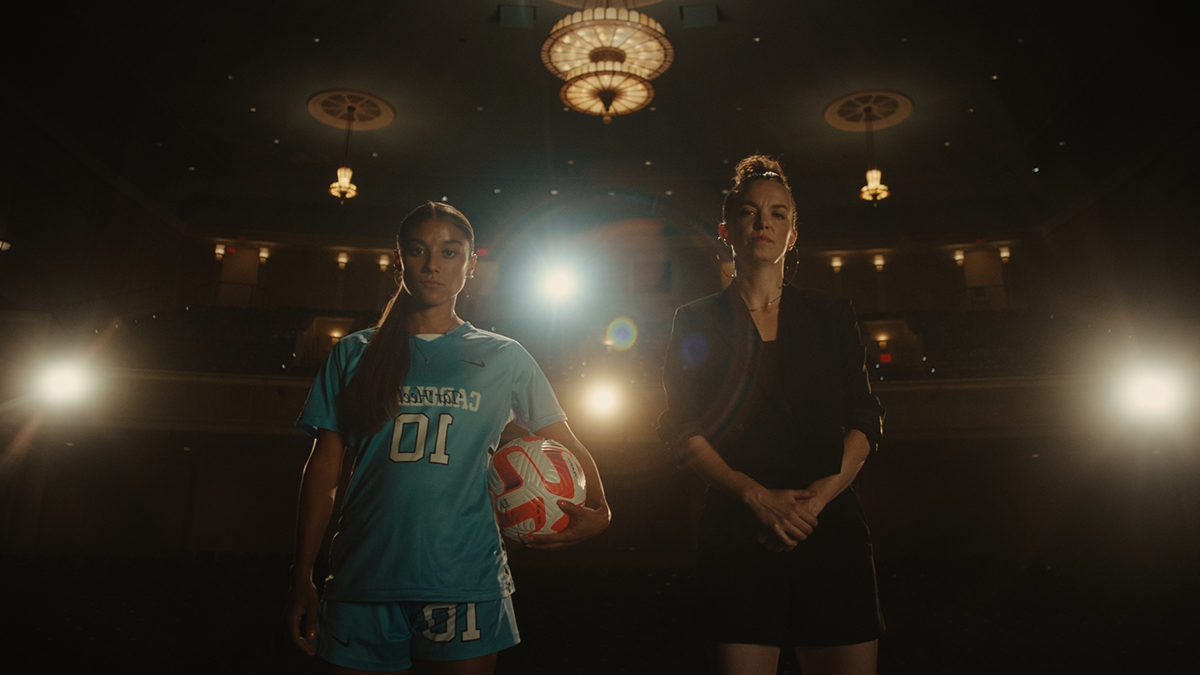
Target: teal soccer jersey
(417, 519)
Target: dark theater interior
(175, 241)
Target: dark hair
(372, 395)
(756, 167)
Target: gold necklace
(766, 305)
(769, 303)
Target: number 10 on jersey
(421, 421)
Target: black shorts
(820, 594)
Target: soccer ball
(527, 478)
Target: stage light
(64, 383)
(603, 400)
(559, 284)
(1152, 393)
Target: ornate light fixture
(607, 55)
(342, 188)
(874, 190)
(867, 111)
(354, 111)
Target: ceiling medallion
(607, 56)
(867, 111)
(353, 111)
(878, 107)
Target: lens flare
(1151, 393)
(603, 400)
(559, 284)
(622, 333)
(64, 383)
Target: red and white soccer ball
(527, 478)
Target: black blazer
(713, 355)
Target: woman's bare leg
(742, 659)
(859, 659)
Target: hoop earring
(722, 269)
(795, 267)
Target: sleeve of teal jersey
(321, 408)
(533, 402)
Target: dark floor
(210, 614)
(1037, 555)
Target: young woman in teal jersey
(419, 579)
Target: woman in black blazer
(768, 401)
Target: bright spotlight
(603, 400)
(559, 284)
(1152, 393)
(64, 383)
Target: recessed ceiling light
(970, 110)
(229, 77)
(724, 161)
(947, 144)
(254, 110)
(374, 154)
(1035, 169)
(724, 192)
(191, 168)
(566, 109)
(1062, 143)
(479, 109)
(445, 198)
(276, 141)
(669, 193)
(647, 162)
(554, 192)
(653, 109)
(904, 39)
(995, 77)
(570, 161)
(739, 108)
(497, 190)
(758, 39)
(316, 39)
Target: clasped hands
(787, 517)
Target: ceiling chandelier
(607, 54)
(355, 111)
(867, 111)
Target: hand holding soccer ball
(527, 478)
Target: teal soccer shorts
(385, 636)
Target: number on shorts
(421, 421)
(450, 628)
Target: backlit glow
(1152, 393)
(64, 383)
(603, 400)
(559, 284)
